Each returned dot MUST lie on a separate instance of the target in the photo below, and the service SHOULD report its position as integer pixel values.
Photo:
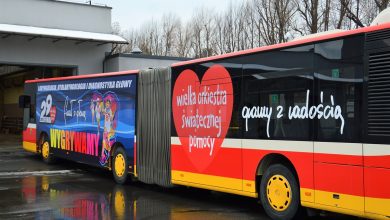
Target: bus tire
(47, 156)
(119, 165)
(279, 193)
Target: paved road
(30, 189)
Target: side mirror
(24, 101)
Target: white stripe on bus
(232, 143)
(278, 145)
(31, 125)
(175, 141)
(376, 149)
(338, 148)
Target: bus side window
(30, 89)
(339, 75)
(278, 81)
(280, 95)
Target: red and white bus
(299, 124)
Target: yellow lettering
(63, 140)
(53, 139)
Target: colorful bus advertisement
(83, 118)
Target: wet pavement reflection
(30, 189)
(76, 195)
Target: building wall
(111, 65)
(131, 63)
(10, 101)
(1, 106)
(13, 94)
(123, 63)
(87, 57)
(56, 14)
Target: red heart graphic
(202, 113)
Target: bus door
(27, 102)
(338, 148)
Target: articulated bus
(299, 124)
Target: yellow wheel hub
(45, 150)
(119, 165)
(279, 192)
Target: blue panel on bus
(84, 118)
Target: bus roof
(83, 76)
(287, 44)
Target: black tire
(291, 206)
(47, 157)
(118, 155)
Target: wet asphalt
(31, 189)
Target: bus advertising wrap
(84, 118)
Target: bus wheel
(279, 192)
(119, 165)
(45, 152)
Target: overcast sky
(133, 13)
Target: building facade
(54, 38)
(48, 38)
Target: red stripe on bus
(303, 163)
(339, 159)
(344, 178)
(30, 135)
(377, 182)
(377, 161)
(226, 163)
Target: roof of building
(82, 3)
(59, 34)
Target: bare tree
(219, 34)
(308, 10)
(246, 24)
(338, 14)
(169, 25)
(362, 12)
(275, 18)
(382, 4)
(183, 37)
(250, 24)
(353, 14)
(326, 15)
(228, 30)
(131, 37)
(117, 48)
(202, 24)
(150, 40)
(284, 10)
(197, 29)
